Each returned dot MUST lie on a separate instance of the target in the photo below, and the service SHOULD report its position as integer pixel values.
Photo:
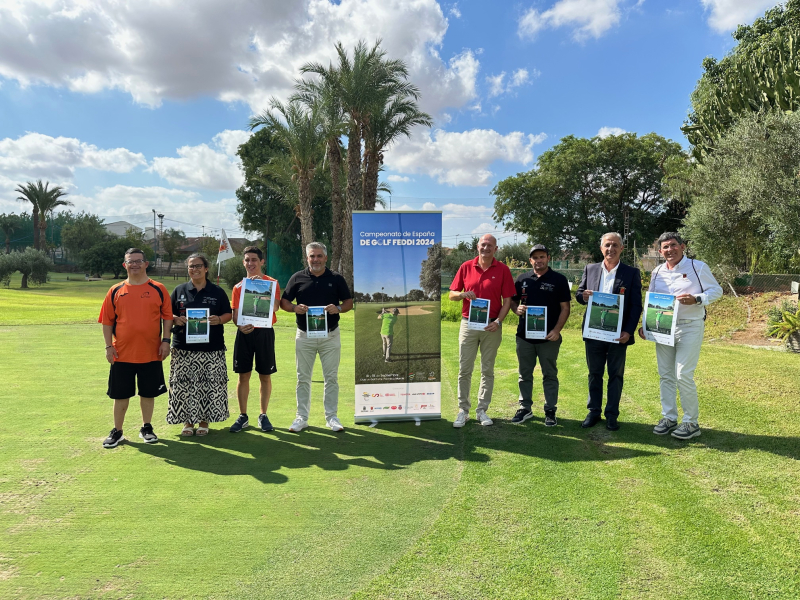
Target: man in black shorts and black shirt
(317, 286)
(540, 286)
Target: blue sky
(141, 107)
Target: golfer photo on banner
(478, 314)
(256, 302)
(603, 317)
(197, 330)
(659, 318)
(316, 322)
(536, 322)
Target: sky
(135, 107)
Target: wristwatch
(166, 340)
(698, 299)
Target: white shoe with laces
(335, 424)
(298, 425)
(483, 418)
(461, 419)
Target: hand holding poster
(197, 326)
(316, 322)
(659, 318)
(603, 320)
(535, 322)
(256, 302)
(478, 314)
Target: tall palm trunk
(35, 217)
(353, 194)
(373, 160)
(306, 213)
(42, 234)
(335, 164)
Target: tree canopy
(582, 188)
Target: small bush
(775, 313)
(451, 311)
(233, 271)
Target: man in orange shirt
(137, 318)
(253, 342)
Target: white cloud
(484, 228)
(39, 156)
(460, 158)
(204, 167)
(497, 83)
(398, 179)
(726, 15)
(604, 132)
(454, 11)
(586, 18)
(244, 51)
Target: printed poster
(316, 322)
(535, 322)
(256, 302)
(478, 314)
(659, 320)
(397, 278)
(197, 326)
(603, 320)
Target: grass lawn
(395, 511)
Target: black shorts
(123, 376)
(259, 343)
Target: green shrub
(233, 271)
(775, 314)
(451, 311)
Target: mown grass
(398, 511)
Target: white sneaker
(483, 418)
(334, 424)
(298, 425)
(461, 419)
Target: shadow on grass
(398, 445)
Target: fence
(747, 283)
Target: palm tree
(9, 224)
(396, 117)
(41, 196)
(323, 94)
(300, 131)
(360, 83)
(47, 204)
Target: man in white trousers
(692, 283)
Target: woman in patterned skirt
(198, 374)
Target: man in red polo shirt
(489, 279)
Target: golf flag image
(225, 250)
(397, 278)
(659, 319)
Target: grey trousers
(305, 353)
(387, 346)
(547, 353)
(469, 342)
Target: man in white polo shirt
(692, 283)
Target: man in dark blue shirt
(317, 286)
(544, 288)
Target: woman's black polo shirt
(328, 288)
(211, 297)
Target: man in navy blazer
(611, 277)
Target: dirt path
(754, 332)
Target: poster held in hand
(603, 320)
(256, 302)
(478, 314)
(197, 326)
(659, 318)
(316, 322)
(535, 322)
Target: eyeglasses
(134, 262)
(200, 266)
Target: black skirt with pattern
(198, 387)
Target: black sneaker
(550, 418)
(240, 424)
(114, 438)
(264, 423)
(522, 415)
(147, 434)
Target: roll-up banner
(397, 257)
